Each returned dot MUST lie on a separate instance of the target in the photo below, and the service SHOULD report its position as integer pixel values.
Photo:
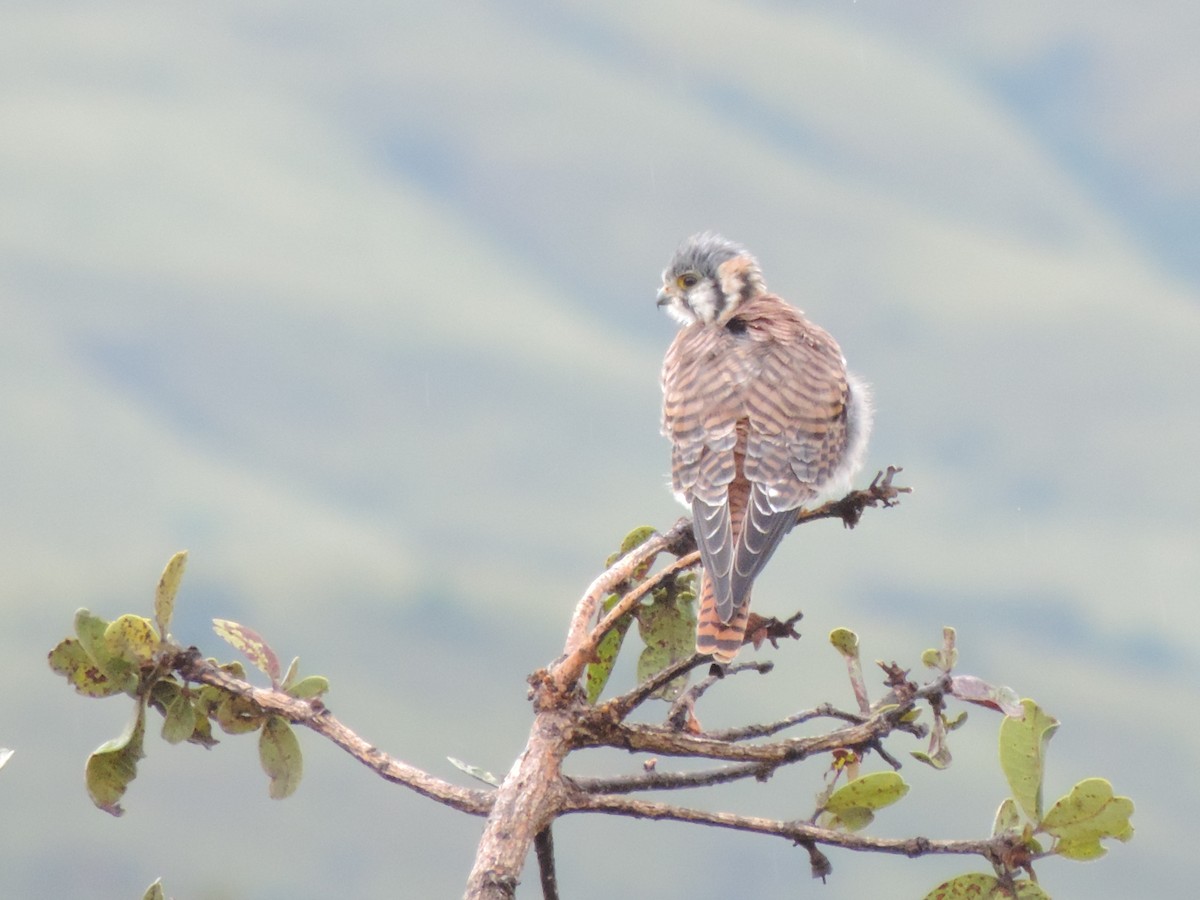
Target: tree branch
(668, 742)
(796, 831)
(581, 643)
(670, 781)
(766, 729)
(312, 714)
(535, 791)
(543, 845)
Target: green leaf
(179, 715)
(939, 759)
(955, 723)
(597, 673)
(668, 626)
(1087, 814)
(855, 818)
(1007, 818)
(251, 644)
(290, 675)
(630, 542)
(202, 733)
(70, 660)
(113, 765)
(237, 714)
(944, 658)
(1023, 756)
(155, 891)
(853, 805)
(975, 886)
(131, 639)
(279, 753)
(873, 791)
(168, 586)
(475, 772)
(309, 687)
(90, 631)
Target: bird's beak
(663, 297)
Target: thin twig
(683, 705)
(672, 781)
(543, 844)
(620, 707)
(746, 732)
(798, 832)
(670, 742)
(582, 641)
(312, 714)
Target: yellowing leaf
(168, 586)
(1030, 890)
(131, 639)
(844, 642)
(70, 660)
(113, 765)
(975, 886)
(1023, 756)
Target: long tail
(721, 639)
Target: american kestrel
(763, 419)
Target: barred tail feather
(720, 639)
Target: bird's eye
(687, 280)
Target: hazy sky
(356, 303)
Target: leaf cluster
(134, 655)
(666, 620)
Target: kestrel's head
(708, 278)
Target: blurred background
(356, 303)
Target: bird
(763, 419)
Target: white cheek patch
(705, 302)
(678, 310)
